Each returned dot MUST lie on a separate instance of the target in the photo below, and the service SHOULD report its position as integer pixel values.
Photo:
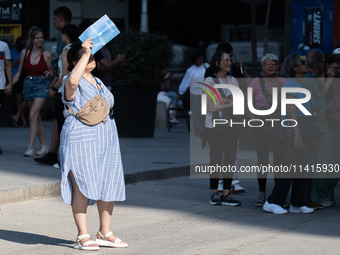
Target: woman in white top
(222, 140)
(192, 76)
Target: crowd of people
(313, 140)
(94, 173)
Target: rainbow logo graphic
(208, 92)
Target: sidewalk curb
(30, 193)
(48, 190)
(41, 191)
(157, 174)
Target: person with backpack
(262, 99)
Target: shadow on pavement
(30, 238)
(191, 196)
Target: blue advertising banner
(312, 26)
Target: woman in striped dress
(91, 163)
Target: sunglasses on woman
(303, 62)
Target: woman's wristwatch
(54, 89)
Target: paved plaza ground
(162, 216)
(173, 217)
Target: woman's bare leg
(21, 113)
(55, 140)
(29, 105)
(79, 210)
(105, 214)
(41, 133)
(18, 101)
(36, 127)
(21, 105)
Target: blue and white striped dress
(92, 153)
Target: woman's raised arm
(72, 82)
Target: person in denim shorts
(37, 66)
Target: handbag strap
(101, 91)
(263, 88)
(221, 91)
(100, 94)
(225, 113)
(69, 110)
(23, 65)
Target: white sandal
(85, 246)
(104, 242)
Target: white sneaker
(174, 121)
(42, 150)
(274, 208)
(327, 204)
(236, 181)
(302, 209)
(56, 165)
(29, 152)
(236, 187)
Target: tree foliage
(146, 56)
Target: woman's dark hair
(71, 31)
(224, 46)
(197, 54)
(208, 72)
(20, 43)
(73, 55)
(291, 61)
(217, 57)
(333, 58)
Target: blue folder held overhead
(100, 32)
